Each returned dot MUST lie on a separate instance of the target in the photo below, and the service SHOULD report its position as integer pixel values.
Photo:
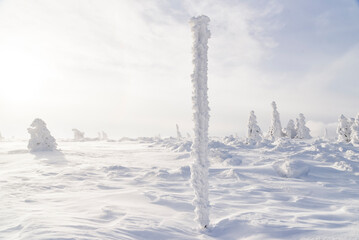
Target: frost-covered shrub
(303, 131)
(179, 135)
(41, 139)
(290, 130)
(254, 134)
(78, 135)
(343, 129)
(102, 136)
(275, 130)
(354, 136)
(199, 169)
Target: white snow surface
(140, 189)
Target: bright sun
(21, 76)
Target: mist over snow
(146, 120)
(123, 66)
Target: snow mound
(233, 161)
(182, 173)
(291, 169)
(343, 166)
(179, 146)
(223, 155)
(217, 144)
(41, 139)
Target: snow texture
(199, 170)
(41, 139)
(303, 131)
(343, 129)
(275, 130)
(290, 129)
(354, 136)
(137, 189)
(254, 134)
(78, 135)
(179, 135)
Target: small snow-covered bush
(290, 130)
(275, 130)
(78, 135)
(179, 135)
(303, 131)
(343, 129)
(254, 134)
(102, 136)
(41, 139)
(343, 166)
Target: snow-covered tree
(290, 129)
(78, 135)
(343, 129)
(41, 139)
(199, 170)
(254, 134)
(179, 135)
(354, 136)
(303, 132)
(104, 136)
(275, 130)
(326, 136)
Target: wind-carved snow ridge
(41, 139)
(199, 171)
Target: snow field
(141, 189)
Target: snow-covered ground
(140, 189)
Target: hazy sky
(124, 66)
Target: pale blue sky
(124, 66)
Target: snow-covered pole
(199, 171)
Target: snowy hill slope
(140, 190)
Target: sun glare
(22, 76)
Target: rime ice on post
(199, 170)
(41, 139)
